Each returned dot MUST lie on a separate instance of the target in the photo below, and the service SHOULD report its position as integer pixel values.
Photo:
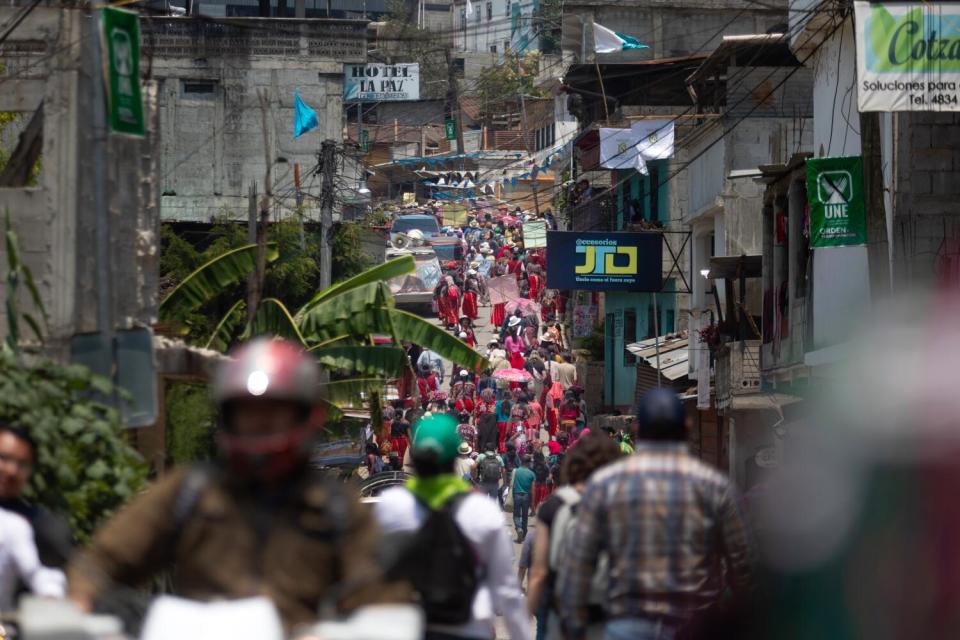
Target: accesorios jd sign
(600, 261)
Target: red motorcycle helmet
(269, 370)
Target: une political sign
(120, 35)
(601, 261)
(378, 82)
(835, 195)
(908, 56)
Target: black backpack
(490, 470)
(438, 561)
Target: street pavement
(485, 332)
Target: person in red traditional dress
(440, 295)
(535, 281)
(453, 302)
(470, 296)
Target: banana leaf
(333, 412)
(415, 329)
(380, 273)
(273, 319)
(329, 341)
(383, 361)
(356, 313)
(227, 327)
(209, 280)
(348, 392)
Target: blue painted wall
(629, 318)
(631, 185)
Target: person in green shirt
(523, 479)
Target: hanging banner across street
(600, 261)
(835, 195)
(121, 50)
(908, 56)
(378, 82)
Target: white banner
(654, 138)
(376, 82)
(618, 149)
(908, 56)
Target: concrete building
(669, 29)
(911, 240)
(226, 93)
(95, 259)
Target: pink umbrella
(508, 220)
(513, 375)
(524, 304)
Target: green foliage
(546, 23)
(190, 423)
(210, 279)
(348, 257)
(503, 82)
(8, 118)
(85, 467)
(17, 272)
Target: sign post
(120, 33)
(835, 194)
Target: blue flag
(304, 118)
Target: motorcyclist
(258, 522)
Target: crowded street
(464, 320)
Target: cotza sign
(376, 82)
(597, 261)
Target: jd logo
(835, 190)
(652, 138)
(621, 147)
(602, 260)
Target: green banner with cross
(121, 51)
(837, 203)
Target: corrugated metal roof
(674, 355)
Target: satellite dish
(399, 240)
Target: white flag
(469, 9)
(654, 139)
(618, 149)
(605, 40)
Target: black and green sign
(450, 127)
(837, 209)
(365, 139)
(121, 50)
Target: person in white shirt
(464, 465)
(19, 562)
(404, 510)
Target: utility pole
(328, 172)
(526, 141)
(252, 239)
(253, 302)
(453, 100)
(878, 254)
